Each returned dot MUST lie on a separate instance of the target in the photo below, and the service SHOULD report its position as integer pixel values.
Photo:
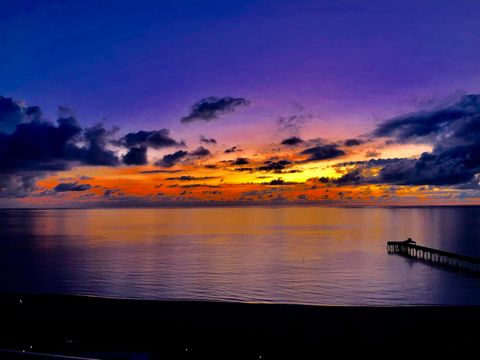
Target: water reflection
(299, 255)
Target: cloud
(136, 156)
(372, 153)
(208, 141)
(32, 147)
(292, 141)
(353, 142)
(156, 139)
(200, 152)
(211, 108)
(232, 150)
(292, 124)
(280, 181)
(138, 142)
(429, 126)
(454, 133)
(159, 171)
(111, 192)
(428, 169)
(170, 160)
(38, 145)
(17, 185)
(13, 113)
(191, 178)
(96, 152)
(275, 166)
(244, 169)
(322, 152)
(190, 186)
(65, 187)
(240, 161)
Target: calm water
(293, 255)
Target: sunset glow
(304, 115)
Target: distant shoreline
(246, 205)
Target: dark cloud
(322, 152)
(428, 169)
(353, 142)
(191, 178)
(12, 113)
(292, 141)
(17, 185)
(244, 169)
(240, 161)
(40, 146)
(454, 133)
(156, 139)
(190, 186)
(426, 126)
(136, 156)
(208, 141)
(96, 153)
(275, 166)
(232, 150)
(32, 147)
(181, 156)
(211, 108)
(111, 192)
(367, 163)
(159, 171)
(446, 168)
(138, 142)
(64, 187)
(280, 181)
(170, 160)
(200, 152)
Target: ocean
(301, 255)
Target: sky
(152, 103)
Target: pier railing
(409, 248)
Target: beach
(110, 328)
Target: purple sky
(141, 64)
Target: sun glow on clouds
(217, 180)
(419, 158)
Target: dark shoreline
(119, 329)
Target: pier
(409, 248)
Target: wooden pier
(409, 248)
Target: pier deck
(409, 248)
